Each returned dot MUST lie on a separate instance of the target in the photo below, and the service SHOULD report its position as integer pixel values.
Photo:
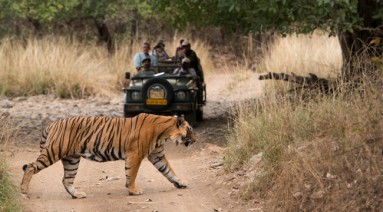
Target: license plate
(156, 102)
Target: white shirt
(180, 71)
(140, 56)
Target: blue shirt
(140, 56)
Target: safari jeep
(164, 93)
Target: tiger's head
(185, 134)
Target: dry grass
(304, 54)
(8, 191)
(68, 68)
(56, 66)
(320, 154)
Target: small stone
(255, 159)
(297, 194)
(112, 178)
(307, 186)
(241, 173)
(330, 176)
(317, 195)
(216, 165)
(218, 209)
(7, 104)
(26, 196)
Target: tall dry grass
(302, 54)
(319, 154)
(68, 68)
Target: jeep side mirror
(127, 75)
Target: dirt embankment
(210, 189)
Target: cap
(185, 43)
(186, 60)
(146, 58)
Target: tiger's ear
(180, 120)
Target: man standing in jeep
(194, 60)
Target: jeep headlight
(135, 95)
(181, 95)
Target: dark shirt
(195, 63)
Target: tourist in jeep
(146, 69)
(179, 54)
(139, 57)
(159, 51)
(186, 69)
(194, 60)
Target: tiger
(102, 138)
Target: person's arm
(166, 55)
(176, 71)
(137, 62)
(154, 61)
(193, 73)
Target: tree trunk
(134, 29)
(104, 35)
(356, 48)
(37, 27)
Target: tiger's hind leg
(158, 159)
(42, 162)
(29, 171)
(71, 164)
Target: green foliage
(284, 16)
(15, 16)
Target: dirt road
(210, 189)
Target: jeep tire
(168, 89)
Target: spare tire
(158, 89)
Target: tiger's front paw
(180, 184)
(79, 195)
(136, 191)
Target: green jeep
(165, 93)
